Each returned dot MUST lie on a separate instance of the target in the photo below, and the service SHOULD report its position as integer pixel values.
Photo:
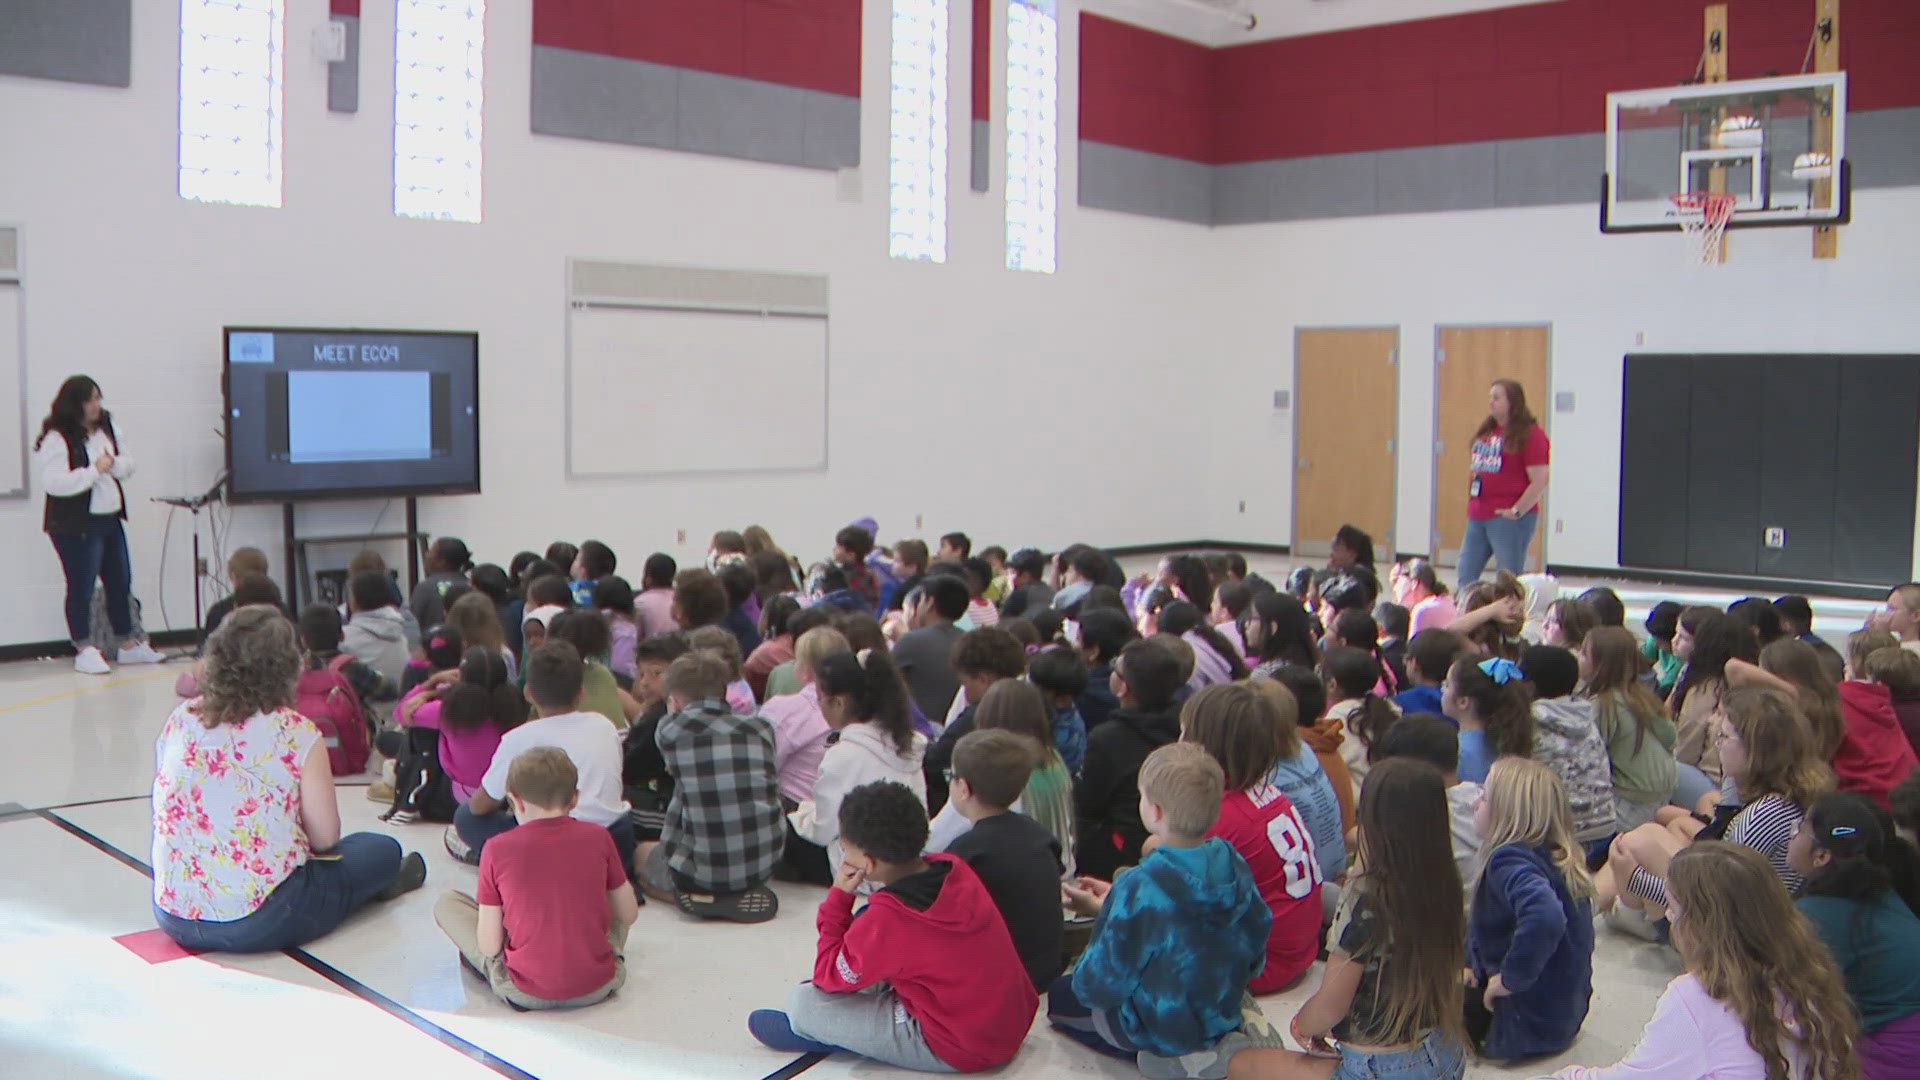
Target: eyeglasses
(947, 774)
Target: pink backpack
(325, 697)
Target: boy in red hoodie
(1875, 755)
(930, 946)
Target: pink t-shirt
(799, 740)
(1433, 613)
(466, 753)
(1500, 473)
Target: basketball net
(1703, 217)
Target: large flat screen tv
(315, 414)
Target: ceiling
(1278, 18)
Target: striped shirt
(1766, 825)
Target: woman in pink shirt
(1418, 589)
(1738, 931)
(799, 729)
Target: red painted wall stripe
(982, 60)
(811, 44)
(1509, 73)
(344, 7)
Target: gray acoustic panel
(343, 76)
(1428, 178)
(1330, 185)
(611, 99)
(1548, 171)
(982, 153)
(1136, 182)
(83, 41)
(1883, 147)
(1242, 194)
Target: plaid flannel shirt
(725, 827)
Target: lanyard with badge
(1486, 458)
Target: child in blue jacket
(1178, 936)
(1530, 938)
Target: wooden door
(1467, 359)
(1346, 401)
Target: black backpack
(422, 790)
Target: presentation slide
(319, 413)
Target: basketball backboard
(1777, 145)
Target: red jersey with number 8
(1266, 830)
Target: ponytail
(1501, 699)
(1354, 672)
(874, 691)
(1181, 617)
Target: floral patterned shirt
(226, 811)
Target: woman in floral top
(247, 851)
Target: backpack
(103, 636)
(422, 791)
(325, 697)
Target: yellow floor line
(87, 689)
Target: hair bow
(1842, 830)
(1501, 670)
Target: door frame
(1320, 547)
(1543, 415)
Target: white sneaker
(140, 654)
(90, 662)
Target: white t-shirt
(593, 745)
(62, 482)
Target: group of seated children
(1438, 794)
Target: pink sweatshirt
(1691, 1037)
(799, 740)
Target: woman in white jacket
(864, 701)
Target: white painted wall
(1017, 406)
(1604, 295)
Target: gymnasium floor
(89, 989)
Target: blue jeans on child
(99, 553)
(477, 829)
(310, 903)
(1091, 1027)
(1434, 1059)
(1694, 785)
(1505, 541)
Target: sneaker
(1633, 923)
(142, 653)
(775, 1032)
(380, 791)
(459, 849)
(413, 874)
(90, 662)
(1208, 1064)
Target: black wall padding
(1716, 449)
(84, 41)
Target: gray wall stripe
(612, 99)
(343, 77)
(83, 41)
(982, 153)
(1883, 145)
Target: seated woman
(239, 772)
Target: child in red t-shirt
(550, 922)
(925, 977)
(1239, 728)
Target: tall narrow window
(437, 82)
(1033, 133)
(232, 56)
(917, 143)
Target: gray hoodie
(1567, 740)
(378, 639)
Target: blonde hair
(1864, 643)
(478, 622)
(1739, 933)
(253, 661)
(1897, 669)
(1187, 785)
(1286, 713)
(1527, 805)
(245, 561)
(544, 777)
(816, 645)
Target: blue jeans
(1434, 1059)
(100, 552)
(477, 829)
(1505, 541)
(1693, 786)
(315, 899)
(1090, 1027)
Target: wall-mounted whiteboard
(685, 384)
(13, 374)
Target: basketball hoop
(1703, 217)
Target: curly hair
(885, 820)
(253, 661)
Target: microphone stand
(193, 504)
